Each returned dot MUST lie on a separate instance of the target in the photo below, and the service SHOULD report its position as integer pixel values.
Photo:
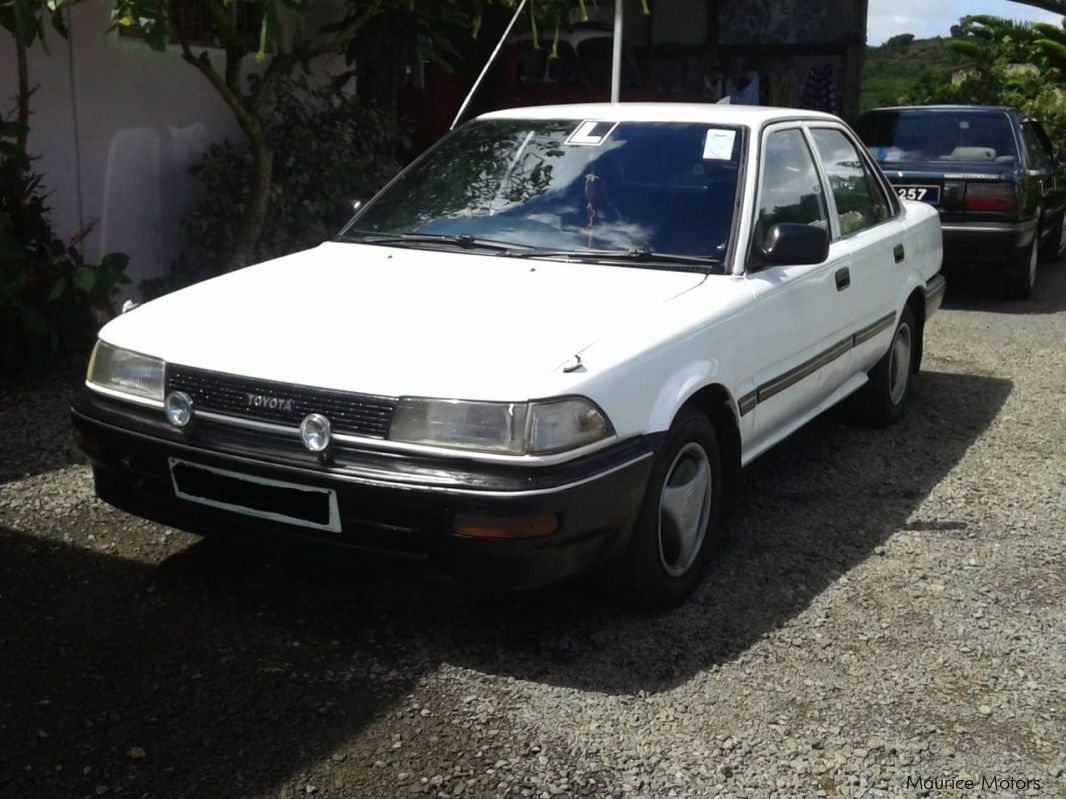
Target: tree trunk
(23, 98)
(258, 201)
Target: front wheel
(889, 386)
(678, 521)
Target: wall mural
(787, 21)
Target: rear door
(869, 224)
(1042, 166)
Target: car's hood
(398, 321)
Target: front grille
(355, 414)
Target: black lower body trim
(771, 388)
(934, 294)
(805, 369)
(595, 504)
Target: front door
(800, 342)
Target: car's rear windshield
(940, 135)
(572, 184)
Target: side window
(791, 190)
(1039, 156)
(861, 202)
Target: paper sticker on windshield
(591, 133)
(718, 146)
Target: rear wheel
(1018, 283)
(886, 393)
(678, 522)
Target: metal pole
(616, 58)
(496, 52)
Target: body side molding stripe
(771, 388)
(870, 331)
(794, 375)
(747, 403)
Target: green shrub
(327, 151)
(50, 299)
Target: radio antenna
(616, 57)
(485, 69)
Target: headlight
(565, 424)
(508, 428)
(126, 372)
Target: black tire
(661, 567)
(1055, 246)
(1020, 279)
(884, 398)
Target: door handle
(843, 277)
(898, 253)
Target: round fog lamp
(178, 408)
(315, 432)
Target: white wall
(143, 118)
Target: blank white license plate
(260, 497)
(924, 194)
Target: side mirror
(796, 245)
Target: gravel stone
(890, 606)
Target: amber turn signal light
(477, 525)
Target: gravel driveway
(890, 613)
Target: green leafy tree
(1054, 6)
(330, 150)
(984, 38)
(1005, 63)
(292, 33)
(50, 297)
(900, 41)
(1052, 41)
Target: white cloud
(926, 18)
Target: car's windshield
(940, 135)
(662, 188)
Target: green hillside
(895, 68)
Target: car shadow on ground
(981, 290)
(234, 668)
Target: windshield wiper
(464, 240)
(636, 255)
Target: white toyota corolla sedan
(550, 344)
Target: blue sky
(935, 17)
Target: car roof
(709, 113)
(959, 107)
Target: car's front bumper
(400, 508)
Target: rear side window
(861, 202)
(1039, 155)
(922, 136)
